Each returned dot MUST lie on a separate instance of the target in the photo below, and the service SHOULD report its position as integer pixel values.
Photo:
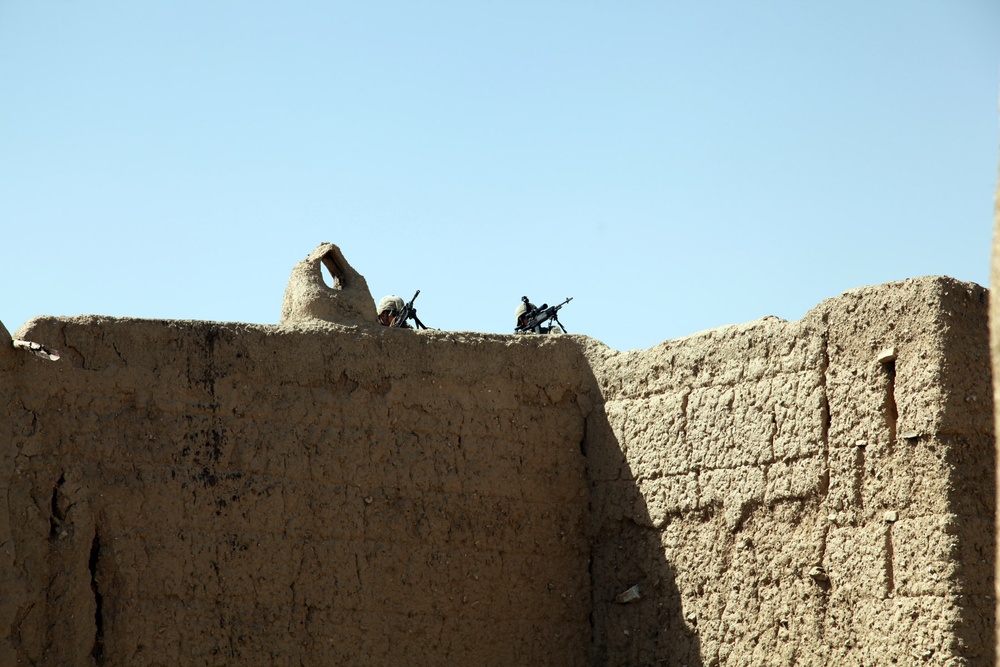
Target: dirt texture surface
(809, 493)
(192, 493)
(328, 491)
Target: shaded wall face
(724, 463)
(820, 492)
(202, 492)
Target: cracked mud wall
(804, 493)
(921, 433)
(204, 493)
(784, 497)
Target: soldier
(523, 315)
(393, 312)
(389, 308)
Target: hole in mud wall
(889, 411)
(333, 274)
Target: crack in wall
(57, 515)
(889, 409)
(858, 482)
(97, 650)
(773, 434)
(890, 579)
(34, 419)
(826, 420)
(684, 416)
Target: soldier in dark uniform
(522, 315)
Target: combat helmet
(390, 302)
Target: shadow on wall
(971, 455)
(636, 616)
(976, 560)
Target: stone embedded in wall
(37, 349)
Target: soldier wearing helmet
(522, 317)
(389, 308)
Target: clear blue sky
(673, 166)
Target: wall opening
(333, 273)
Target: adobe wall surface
(786, 498)
(205, 493)
(767, 493)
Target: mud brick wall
(204, 493)
(818, 492)
(808, 493)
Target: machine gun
(536, 317)
(408, 313)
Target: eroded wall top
(309, 299)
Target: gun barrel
(406, 313)
(539, 315)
